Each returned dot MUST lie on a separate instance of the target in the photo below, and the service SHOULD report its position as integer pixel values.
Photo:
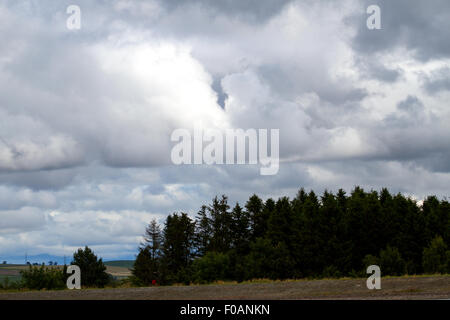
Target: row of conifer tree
(309, 236)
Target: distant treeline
(310, 236)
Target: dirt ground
(433, 287)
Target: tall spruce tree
(147, 265)
(178, 248)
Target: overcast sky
(86, 115)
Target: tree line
(309, 236)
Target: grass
(120, 269)
(10, 278)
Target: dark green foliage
(370, 260)
(9, 283)
(147, 266)
(311, 236)
(268, 260)
(145, 269)
(211, 267)
(93, 271)
(42, 277)
(203, 232)
(257, 217)
(177, 249)
(221, 225)
(436, 258)
(240, 226)
(391, 262)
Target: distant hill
(45, 258)
(120, 263)
(40, 258)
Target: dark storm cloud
(419, 26)
(413, 135)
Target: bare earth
(433, 287)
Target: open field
(420, 287)
(120, 263)
(119, 272)
(12, 271)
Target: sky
(86, 115)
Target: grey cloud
(221, 95)
(419, 26)
(290, 80)
(251, 10)
(255, 64)
(371, 68)
(411, 104)
(39, 180)
(438, 81)
(25, 219)
(413, 134)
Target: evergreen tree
(93, 271)
(221, 222)
(254, 208)
(152, 239)
(336, 235)
(147, 265)
(203, 232)
(145, 269)
(178, 248)
(241, 229)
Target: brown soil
(432, 287)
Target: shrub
(268, 261)
(391, 262)
(93, 271)
(331, 272)
(42, 277)
(213, 266)
(370, 260)
(7, 284)
(436, 258)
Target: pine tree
(152, 239)
(145, 269)
(203, 232)
(178, 248)
(241, 229)
(93, 271)
(147, 265)
(254, 208)
(221, 222)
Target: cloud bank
(86, 115)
